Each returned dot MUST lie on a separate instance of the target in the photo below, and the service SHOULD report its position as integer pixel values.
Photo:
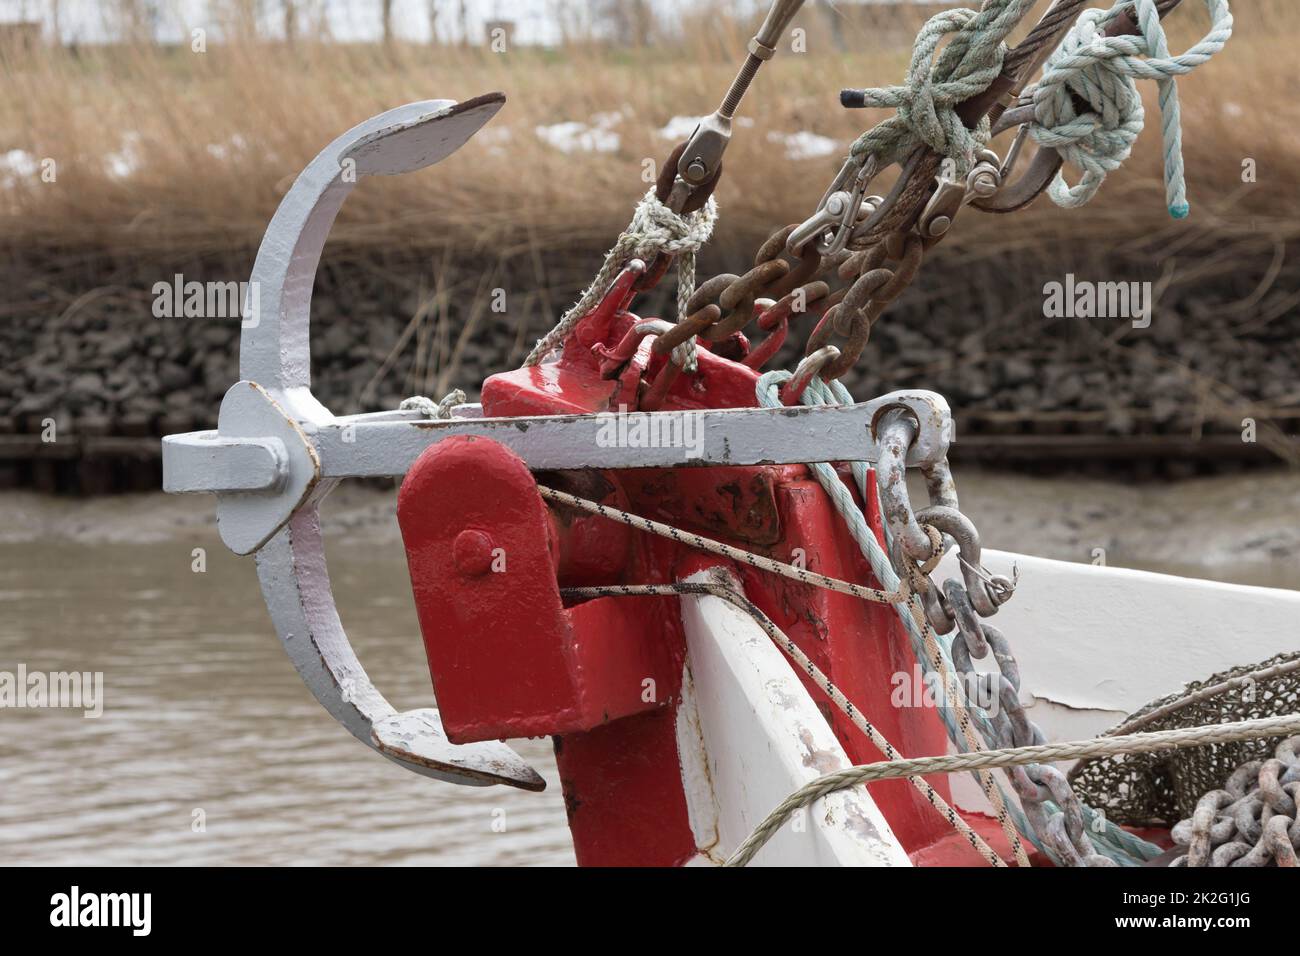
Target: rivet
(472, 553)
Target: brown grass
(165, 108)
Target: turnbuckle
(701, 158)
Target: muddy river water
(210, 750)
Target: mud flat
(1236, 528)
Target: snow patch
(235, 144)
(804, 145)
(573, 136)
(680, 127)
(17, 164)
(125, 161)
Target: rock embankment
(106, 367)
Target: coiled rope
(1102, 71)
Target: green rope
(1102, 71)
(926, 102)
(1107, 838)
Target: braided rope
(1103, 70)
(926, 102)
(1011, 757)
(654, 229)
(725, 550)
(837, 697)
(900, 597)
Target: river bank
(1234, 528)
(1206, 382)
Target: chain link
(918, 540)
(1252, 821)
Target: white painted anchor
(277, 451)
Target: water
(204, 717)
(203, 712)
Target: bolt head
(939, 225)
(472, 553)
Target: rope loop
(655, 229)
(1102, 71)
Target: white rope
(1102, 71)
(654, 229)
(1263, 727)
(431, 409)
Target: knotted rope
(926, 102)
(654, 229)
(431, 409)
(1102, 71)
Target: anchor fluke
(263, 466)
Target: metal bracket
(983, 180)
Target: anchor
(686, 692)
(277, 451)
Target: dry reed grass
(213, 139)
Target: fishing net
(1159, 789)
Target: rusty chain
(1252, 821)
(889, 235)
(779, 286)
